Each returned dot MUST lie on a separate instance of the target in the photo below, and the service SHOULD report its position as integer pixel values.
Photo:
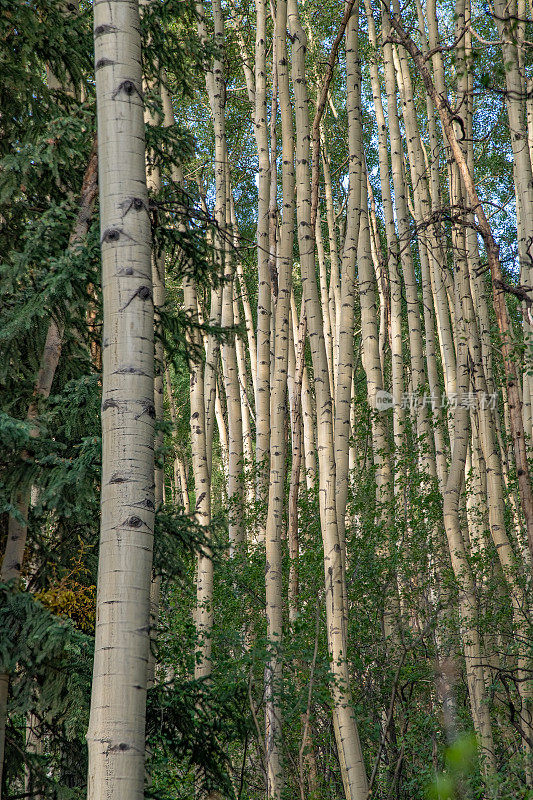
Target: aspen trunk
(116, 735)
(278, 417)
(397, 362)
(345, 322)
(262, 383)
(418, 370)
(153, 184)
(297, 362)
(467, 602)
(349, 748)
(214, 81)
(309, 448)
(202, 491)
(180, 472)
(230, 373)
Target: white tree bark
(346, 733)
(116, 735)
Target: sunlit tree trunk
(510, 29)
(414, 319)
(396, 343)
(202, 491)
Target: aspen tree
(467, 601)
(418, 369)
(330, 298)
(306, 755)
(246, 407)
(248, 322)
(335, 302)
(202, 491)
(180, 471)
(234, 414)
(181, 493)
(345, 325)
(200, 462)
(309, 447)
(429, 265)
(510, 26)
(202, 485)
(248, 453)
(349, 748)
(153, 184)
(116, 728)
(324, 296)
(278, 412)
(397, 363)
(262, 389)
(381, 278)
(214, 81)
(296, 369)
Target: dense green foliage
(206, 735)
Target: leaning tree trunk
(116, 735)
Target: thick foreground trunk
(116, 735)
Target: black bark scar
(128, 87)
(143, 293)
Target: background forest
(325, 211)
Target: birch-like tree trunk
(278, 419)
(116, 735)
(262, 381)
(348, 744)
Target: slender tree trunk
(262, 386)
(214, 80)
(180, 472)
(349, 748)
(230, 372)
(295, 400)
(467, 602)
(278, 418)
(345, 324)
(309, 448)
(153, 184)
